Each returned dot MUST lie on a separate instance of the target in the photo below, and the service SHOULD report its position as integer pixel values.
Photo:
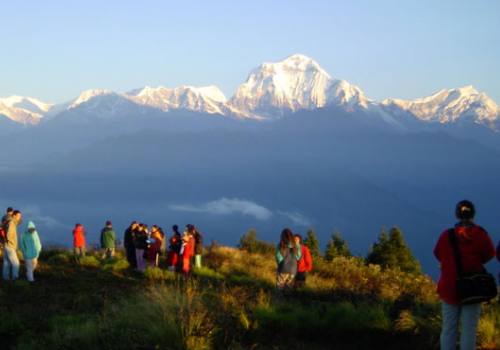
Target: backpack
(289, 263)
(3, 232)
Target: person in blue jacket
(30, 247)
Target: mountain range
(271, 91)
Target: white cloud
(297, 218)
(33, 213)
(227, 206)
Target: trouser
(10, 262)
(130, 251)
(197, 261)
(300, 279)
(108, 253)
(30, 269)
(79, 251)
(465, 315)
(141, 263)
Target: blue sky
(55, 49)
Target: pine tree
(391, 251)
(311, 241)
(336, 246)
(252, 244)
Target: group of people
(30, 246)
(144, 245)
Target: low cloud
(296, 218)
(228, 206)
(34, 213)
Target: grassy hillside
(231, 303)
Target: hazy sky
(55, 49)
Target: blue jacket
(30, 242)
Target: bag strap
(456, 253)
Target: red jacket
(305, 264)
(475, 247)
(79, 237)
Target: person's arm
(38, 244)
(487, 249)
(308, 259)
(23, 244)
(279, 257)
(299, 252)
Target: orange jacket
(79, 236)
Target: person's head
(31, 227)
(16, 214)
(286, 237)
(190, 228)
(133, 225)
(465, 211)
(154, 228)
(297, 238)
(9, 210)
(175, 228)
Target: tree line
(389, 251)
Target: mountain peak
(88, 95)
(297, 82)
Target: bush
(89, 261)
(251, 244)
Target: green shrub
(61, 258)
(89, 261)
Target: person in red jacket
(187, 250)
(304, 265)
(475, 248)
(79, 241)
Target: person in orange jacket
(304, 265)
(187, 250)
(79, 241)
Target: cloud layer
(229, 206)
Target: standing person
(108, 238)
(175, 243)
(140, 243)
(187, 250)
(10, 259)
(128, 243)
(198, 248)
(155, 246)
(288, 253)
(79, 241)
(31, 247)
(475, 248)
(305, 263)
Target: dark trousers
(130, 252)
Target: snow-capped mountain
(209, 99)
(298, 82)
(23, 110)
(449, 106)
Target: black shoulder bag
(474, 287)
